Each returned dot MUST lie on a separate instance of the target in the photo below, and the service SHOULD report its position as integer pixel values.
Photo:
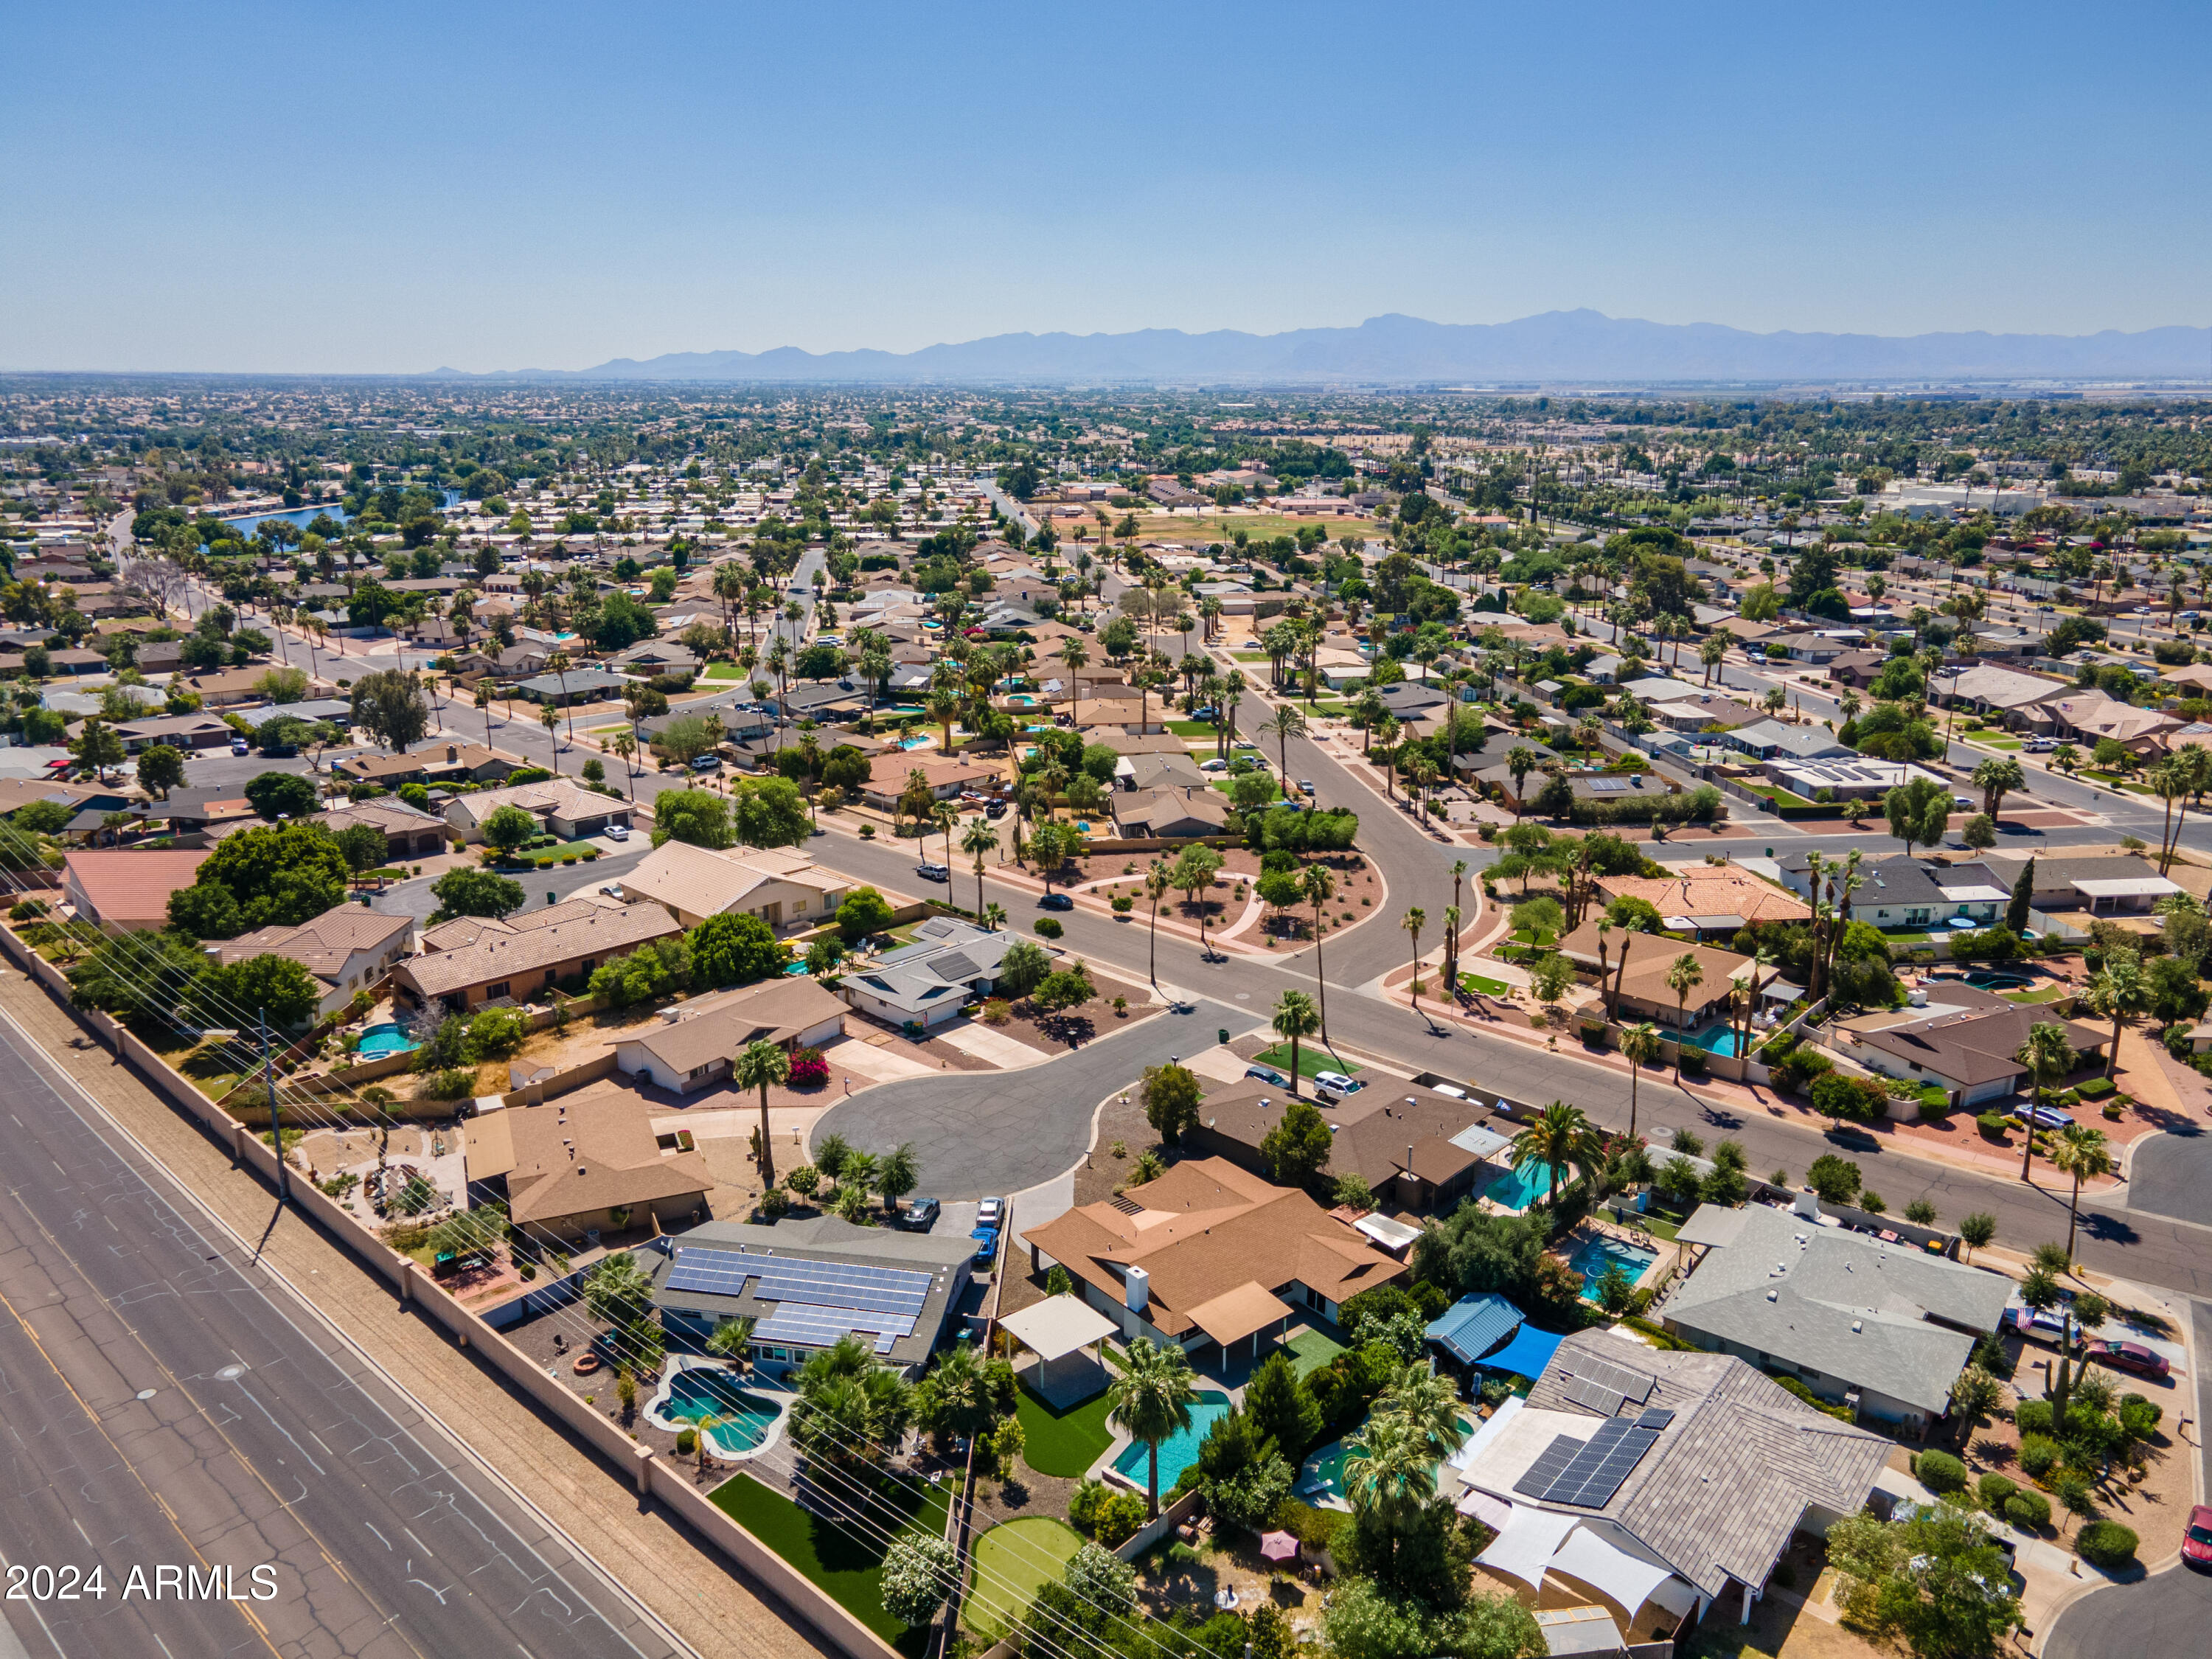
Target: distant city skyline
(251, 187)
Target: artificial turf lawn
(1489, 988)
(1012, 1561)
(1312, 1061)
(1311, 1351)
(847, 1565)
(1065, 1443)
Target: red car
(2196, 1543)
(2130, 1357)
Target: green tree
(389, 705)
(898, 1172)
(1640, 1046)
(141, 976)
(1150, 1398)
(1282, 1407)
(1997, 777)
(735, 950)
(1936, 1582)
(2048, 1055)
(2082, 1153)
(161, 769)
(1684, 975)
(1171, 1096)
(1296, 1149)
(363, 846)
(763, 1066)
(507, 828)
(699, 818)
(1024, 968)
(466, 892)
(2117, 992)
(1834, 1180)
(770, 812)
(1561, 1137)
(1295, 1019)
(864, 913)
(919, 1572)
(100, 746)
(281, 874)
(281, 795)
(1918, 810)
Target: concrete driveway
(977, 1132)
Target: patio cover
(1235, 1314)
(1473, 1325)
(1058, 1326)
(1526, 1355)
(1625, 1579)
(1480, 1142)
(1527, 1542)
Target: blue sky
(315, 186)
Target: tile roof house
(1170, 813)
(1767, 740)
(1900, 891)
(563, 806)
(126, 890)
(887, 776)
(1846, 1312)
(2081, 889)
(950, 963)
(574, 1167)
(2093, 716)
(1643, 991)
(1708, 899)
(2024, 699)
(1706, 1497)
(408, 832)
(1409, 1144)
(578, 685)
(508, 963)
(1964, 1042)
(433, 762)
(185, 732)
(778, 884)
(347, 949)
(696, 1048)
(1211, 1257)
(1161, 771)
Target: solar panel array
(1656, 1418)
(1598, 1467)
(817, 1302)
(1594, 1397)
(822, 1327)
(1551, 1463)
(1628, 1384)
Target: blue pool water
(1600, 1251)
(1178, 1451)
(386, 1039)
(1517, 1189)
(698, 1392)
(1713, 1039)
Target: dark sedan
(2131, 1357)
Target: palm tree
(730, 1339)
(1427, 1402)
(978, 840)
(2118, 990)
(1150, 1399)
(1074, 656)
(1158, 884)
(1562, 1135)
(1520, 760)
(1296, 1019)
(1287, 723)
(549, 717)
(1316, 886)
(2048, 1055)
(763, 1066)
(1412, 921)
(1452, 914)
(1684, 975)
(2079, 1152)
(1640, 1043)
(1390, 1474)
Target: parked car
(1216, 764)
(618, 832)
(1334, 1086)
(1269, 1075)
(2196, 1543)
(933, 871)
(921, 1213)
(997, 809)
(1055, 901)
(2131, 1357)
(987, 1243)
(1963, 803)
(1305, 786)
(2043, 1117)
(238, 745)
(2038, 1324)
(992, 1214)
(707, 763)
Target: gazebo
(1055, 1329)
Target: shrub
(1119, 1518)
(1123, 905)
(2027, 1510)
(687, 1442)
(2095, 1089)
(2032, 1417)
(449, 1085)
(1992, 1125)
(1940, 1472)
(2140, 1417)
(2105, 1544)
(808, 1069)
(1993, 1489)
(1048, 928)
(2038, 1454)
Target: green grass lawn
(1487, 986)
(847, 1564)
(1013, 1561)
(1249, 656)
(1064, 1443)
(1990, 741)
(1311, 1351)
(1192, 728)
(722, 671)
(1312, 1061)
(2040, 993)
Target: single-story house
(1709, 899)
(578, 685)
(1411, 1144)
(1964, 1042)
(347, 949)
(1898, 892)
(695, 1047)
(435, 762)
(561, 806)
(516, 959)
(407, 831)
(949, 965)
(575, 1169)
(2088, 886)
(1644, 993)
(945, 778)
(778, 884)
(126, 890)
(1881, 1326)
(185, 732)
(1844, 781)
(1142, 813)
(1776, 740)
(1160, 771)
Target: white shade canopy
(1057, 1327)
(1627, 1580)
(1524, 1547)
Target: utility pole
(276, 1122)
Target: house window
(698, 1072)
(498, 990)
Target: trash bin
(1221, 1035)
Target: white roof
(1524, 1547)
(1391, 1235)
(1058, 1326)
(1628, 1579)
(2127, 887)
(1974, 894)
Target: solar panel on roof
(1549, 1464)
(1594, 1397)
(1655, 1417)
(1596, 1473)
(1628, 1384)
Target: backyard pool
(700, 1391)
(379, 1040)
(1178, 1451)
(1322, 1475)
(1602, 1250)
(1517, 1189)
(1716, 1039)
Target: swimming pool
(699, 1391)
(386, 1039)
(1719, 1039)
(1178, 1451)
(1602, 1250)
(1517, 1189)
(1322, 1475)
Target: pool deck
(676, 1364)
(1665, 1260)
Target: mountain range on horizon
(1575, 346)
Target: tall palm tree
(1296, 1019)
(1287, 723)
(1316, 886)
(1684, 975)
(2118, 990)
(1412, 921)
(1640, 1043)
(1158, 884)
(976, 841)
(1561, 1136)
(1150, 1399)
(1075, 656)
(2048, 1055)
(1427, 1402)
(2082, 1153)
(1390, 1472)
(763, 1066)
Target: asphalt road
(2162, 1616)
(2173, 1176)
(168, 1405)
(976, 1135)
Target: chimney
(1807, 1204)
(1136, 1290)
(453, 753)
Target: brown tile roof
(1710, 892)
(1374, 1126)
(127, 888)
(323, 946)
(1206, 1228)
(717, 1029)
(582, 1156)
(497, 955)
